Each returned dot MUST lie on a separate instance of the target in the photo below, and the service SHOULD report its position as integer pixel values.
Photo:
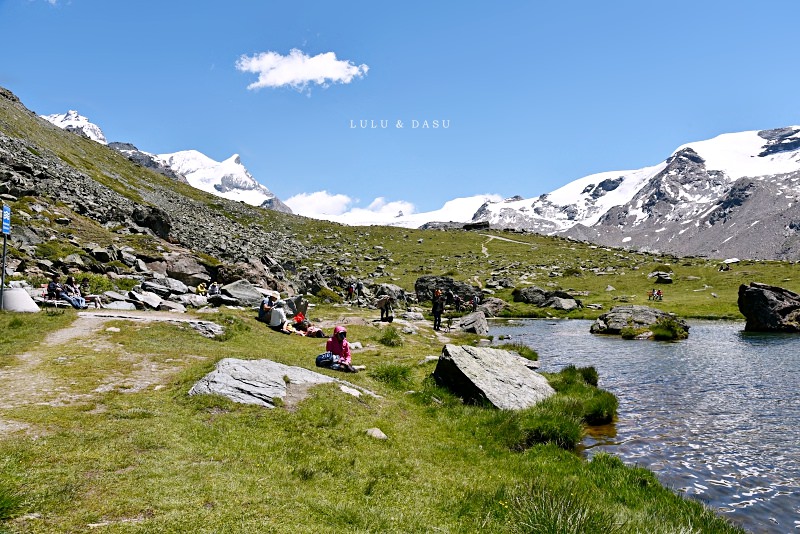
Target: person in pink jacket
(338, 345)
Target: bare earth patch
(27, 383)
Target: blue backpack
(326, 359)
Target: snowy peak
(74, 122)
(671, 206)
(229, 178)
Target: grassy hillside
(113, 443)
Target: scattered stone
(474, 323)
(376, 433)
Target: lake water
(716, 416)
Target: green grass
(154, 459)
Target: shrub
(600, 408)
(390, 337)
(668, 329)
(232, 324)
(663, 267)
(546, 423)
(573, 272)
(326, 294)
(521, 349)
(395, 375)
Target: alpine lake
(716, 416)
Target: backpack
(327, 359)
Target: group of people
(655, 294)
(355, 290)
(273, 312)
(210, 291)
(77, 295)
(441, 300)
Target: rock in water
(769, 308)
(497, 376)
(635, 316)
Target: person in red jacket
(338, 345)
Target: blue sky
(537, 94)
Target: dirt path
(26, 383)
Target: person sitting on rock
(265, 310)
(213, 289)
(201, 288)
(338, 345)
(87, 294)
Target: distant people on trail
(475, 301)
(57, 290)
(659, 295)
(201, 288)
(438, 309)
(359, 289)
(214, 289)
(450, 297)
(351, 291)
(338, 346)
(458, 302)
(651, 295)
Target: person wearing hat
(278, 320)
(265, 310)
(338, 345)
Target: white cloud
(297, 70)
(319, 204)
(343, 209)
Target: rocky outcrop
(263, 382)
(424, 287)
(769, 308)
(635, 316)
(559, 300)
(483, 375)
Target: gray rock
(769, 308)
(207, 328)
(376, 433)
(244, 292)
(636, 316)
(296, 304)
(119, 305)
(190, 299)
(168, 305)
(492, 306)
(474, 323)
(150, 300)
(496, 376)
(176, 287)
(222, 300)
(547, 299)
(424, 287)
(413, 316)
(113, 295)
(259, 381)
(158, 289)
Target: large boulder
(499, 377)
(426, 285)
(244, 292)
(769, 308)
(633, 315)
(18, 300)
(473, 323)
(492, 307)
(184, 268)
(260, 381)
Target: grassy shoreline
(112, 451)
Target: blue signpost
(6, 231)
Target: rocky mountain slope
(229, 179)
(734, 195)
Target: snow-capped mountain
(734, 195)
(229, 179)
(74, 122)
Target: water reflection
(716, 416)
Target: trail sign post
(6, 231)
